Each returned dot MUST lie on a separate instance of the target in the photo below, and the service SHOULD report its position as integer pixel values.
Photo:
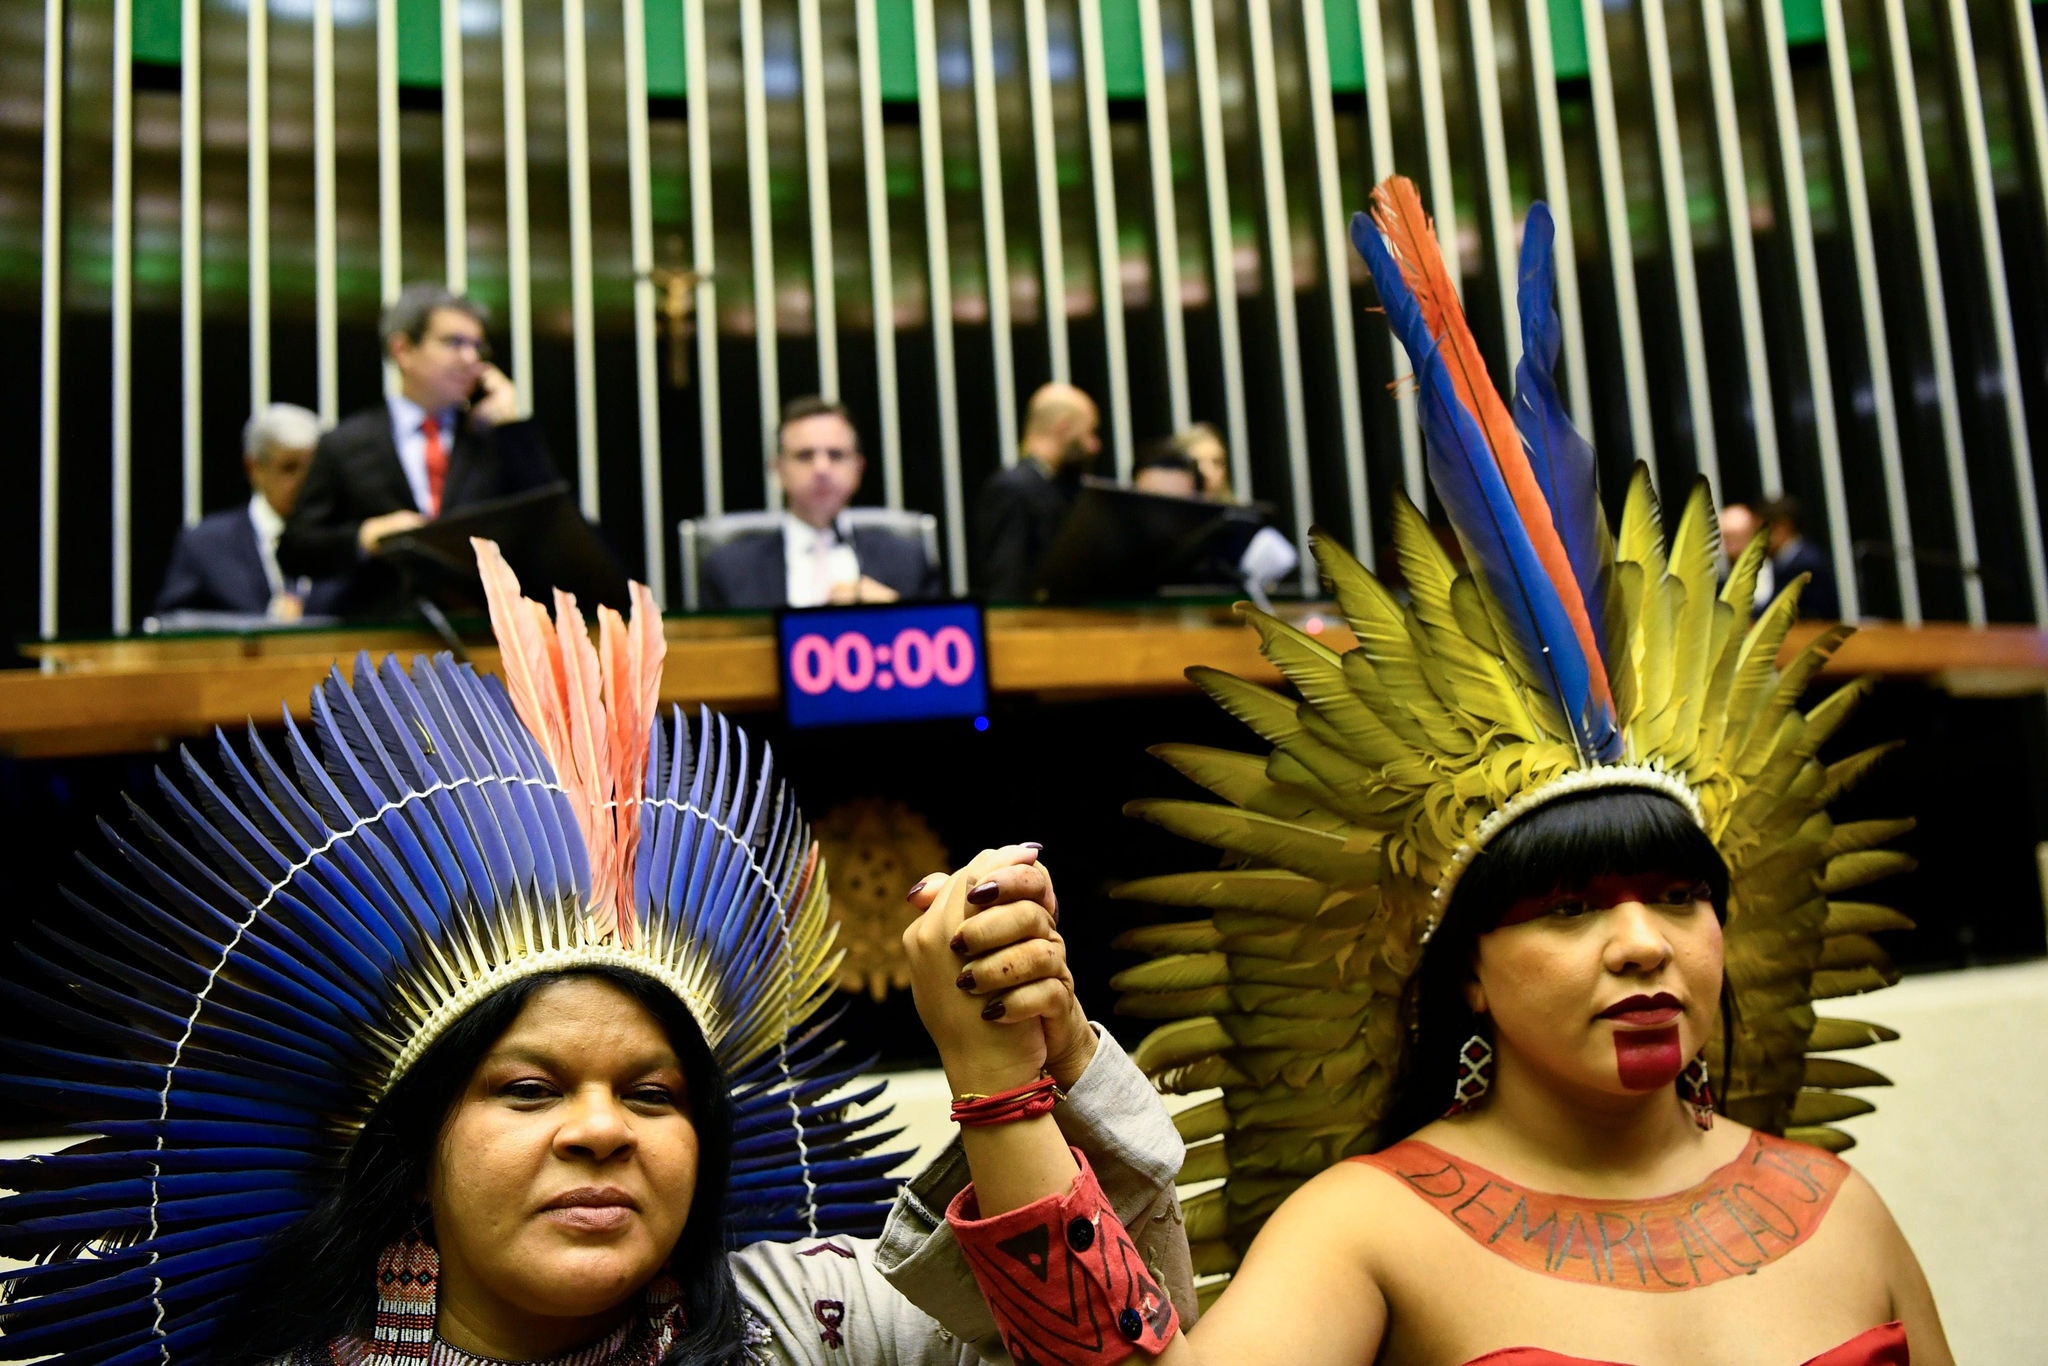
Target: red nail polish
(965, 981)
(917, 887)
(993, 1010)
(984, 894)
(959, 943)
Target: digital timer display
(899, 661)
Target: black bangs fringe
(1569, 843)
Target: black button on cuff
(1130, 1325)
(1080, 1234)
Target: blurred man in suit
(227, 562)
(451, 437)
(1789, 555)
(1020, 508)
(816, 557)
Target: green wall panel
(156, 32)
(1347, 51)
(665, 54)
(896, 36)
(419, 43)
(1123, 52)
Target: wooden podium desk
(143, 692)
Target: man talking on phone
(450, 438)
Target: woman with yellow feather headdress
(1535, 882)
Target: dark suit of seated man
(227, 562)
(451, 438)
(1020, 509)
(816, 558)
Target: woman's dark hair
(1565, 844)
(318, 1281)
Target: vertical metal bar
(123, 301)
(818, 165)
(1621, 251)
(1337, 274)
(1109, 254)
(191, 301)
(1748, 303)
(454, 151)
(881, 269)
(989, 147)
(390, 276)
(1493, 161)
(325, 303)
(1165, 221)
(932, 149)
(1991, 248)
(1436, 137)
(1045, 156)
(647, 380)
(1280, 260)
(1813, 324)
(760, 230)
(582, 310)
(53, 309)
(2027, 44)
(1379, 125)
(1557, 192)
(518, 253)
(696, 111)
(259, 205)
(1678, 238)
(1933, 299)
(1222, 248)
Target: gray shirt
(909, 1297)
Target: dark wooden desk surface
(139, 693)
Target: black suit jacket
(1016, 518)
(216, 566)
(752, 572)
(1820, 601)
(356, 475)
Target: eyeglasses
(478, 345)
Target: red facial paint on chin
(1648, 1058)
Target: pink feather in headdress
(589, 707)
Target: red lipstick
(1648, 1058)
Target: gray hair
(407, 315)
(281, 425)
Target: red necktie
(437, 463)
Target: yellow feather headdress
(1478, 700)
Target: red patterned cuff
(1063, 1278)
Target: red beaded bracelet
(1029, 1101)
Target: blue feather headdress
(261, 964)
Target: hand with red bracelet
(1009, 956)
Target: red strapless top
(1884, 1345)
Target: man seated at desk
(1021, 508)
(450, 438)
(817, 557)
(227, 561)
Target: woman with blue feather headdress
(478, 1021)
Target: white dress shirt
(269, 526)
(406, 417)
(814, 559)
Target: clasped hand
(989, 973)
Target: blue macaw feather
(1561, 457)
(1468, 481)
